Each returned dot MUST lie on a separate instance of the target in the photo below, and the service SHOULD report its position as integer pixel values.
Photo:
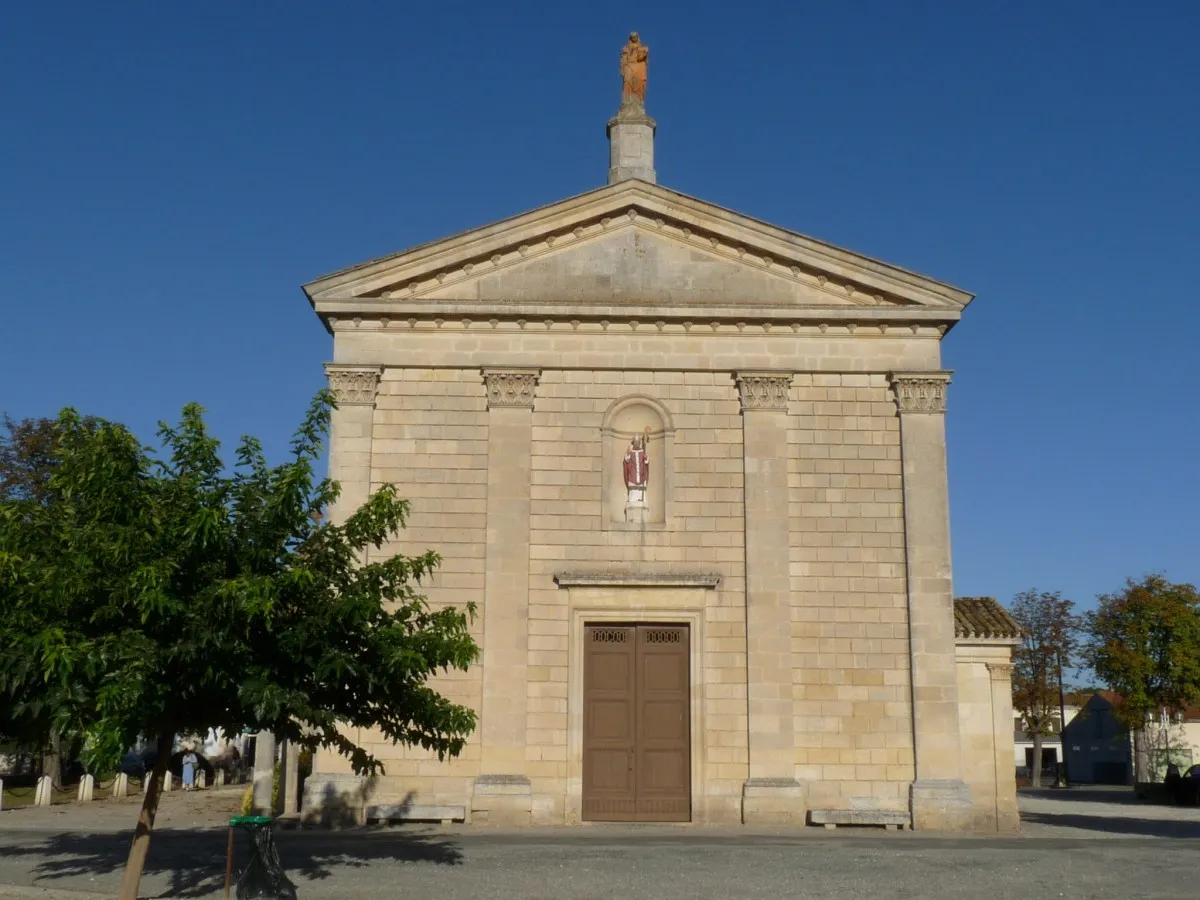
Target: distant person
(189, 769)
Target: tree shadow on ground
(1117, 825)
(193, 862)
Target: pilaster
(771, 795)
(940, 798)
(350, 434)
(1008, 819)
(502, 792)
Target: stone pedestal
(501, 800)
(264, 772)
(631, 144)
(289, 779)
(773, 801)
(334, 801)
(44, 793)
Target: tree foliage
(161, 594)
(1144, 643)
(1049, 643)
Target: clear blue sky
(170, 174)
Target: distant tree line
(1142, 642)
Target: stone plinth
(334, 800)
(502, 800)
(940, 805)
(773, 801)
(631, 145)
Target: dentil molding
(921, 392)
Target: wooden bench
(832, 818)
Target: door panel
(637, 732)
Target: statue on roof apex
(635, 57)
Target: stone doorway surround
(597, 598)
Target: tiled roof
(983, 617)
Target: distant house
(1098, 746)
(1052, 754)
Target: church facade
(691, 467)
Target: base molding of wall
(940, 805)
(502, 800)
(774, 801)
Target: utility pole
(1062, 727)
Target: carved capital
(510, 387)
(763, 390)
(353, 385)
(1000, 671)
(921, 392)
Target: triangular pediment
(631, 244)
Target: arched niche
(631, 416)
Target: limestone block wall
(852, 694)
(431, 440)
(705, 534)
(986, 733)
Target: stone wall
(986, 733)
(830, 653)
(849, 605)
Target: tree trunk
(1035, 771)
(52, 759)
(1139, 756)
(141, 835)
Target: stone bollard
(201, 780)
(120, 789)
(219, 778)
(1, 795)
(168, 782)
(45, 791)
(87, 789)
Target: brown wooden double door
(637, 729)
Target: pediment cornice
(838, 281)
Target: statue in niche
(636, 468)
(635, 57)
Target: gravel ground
(1079, 844)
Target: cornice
(632, 579)
(462, 316)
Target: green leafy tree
(28, 457)
(1144, 643)
(164, 595)
(1049, 643)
